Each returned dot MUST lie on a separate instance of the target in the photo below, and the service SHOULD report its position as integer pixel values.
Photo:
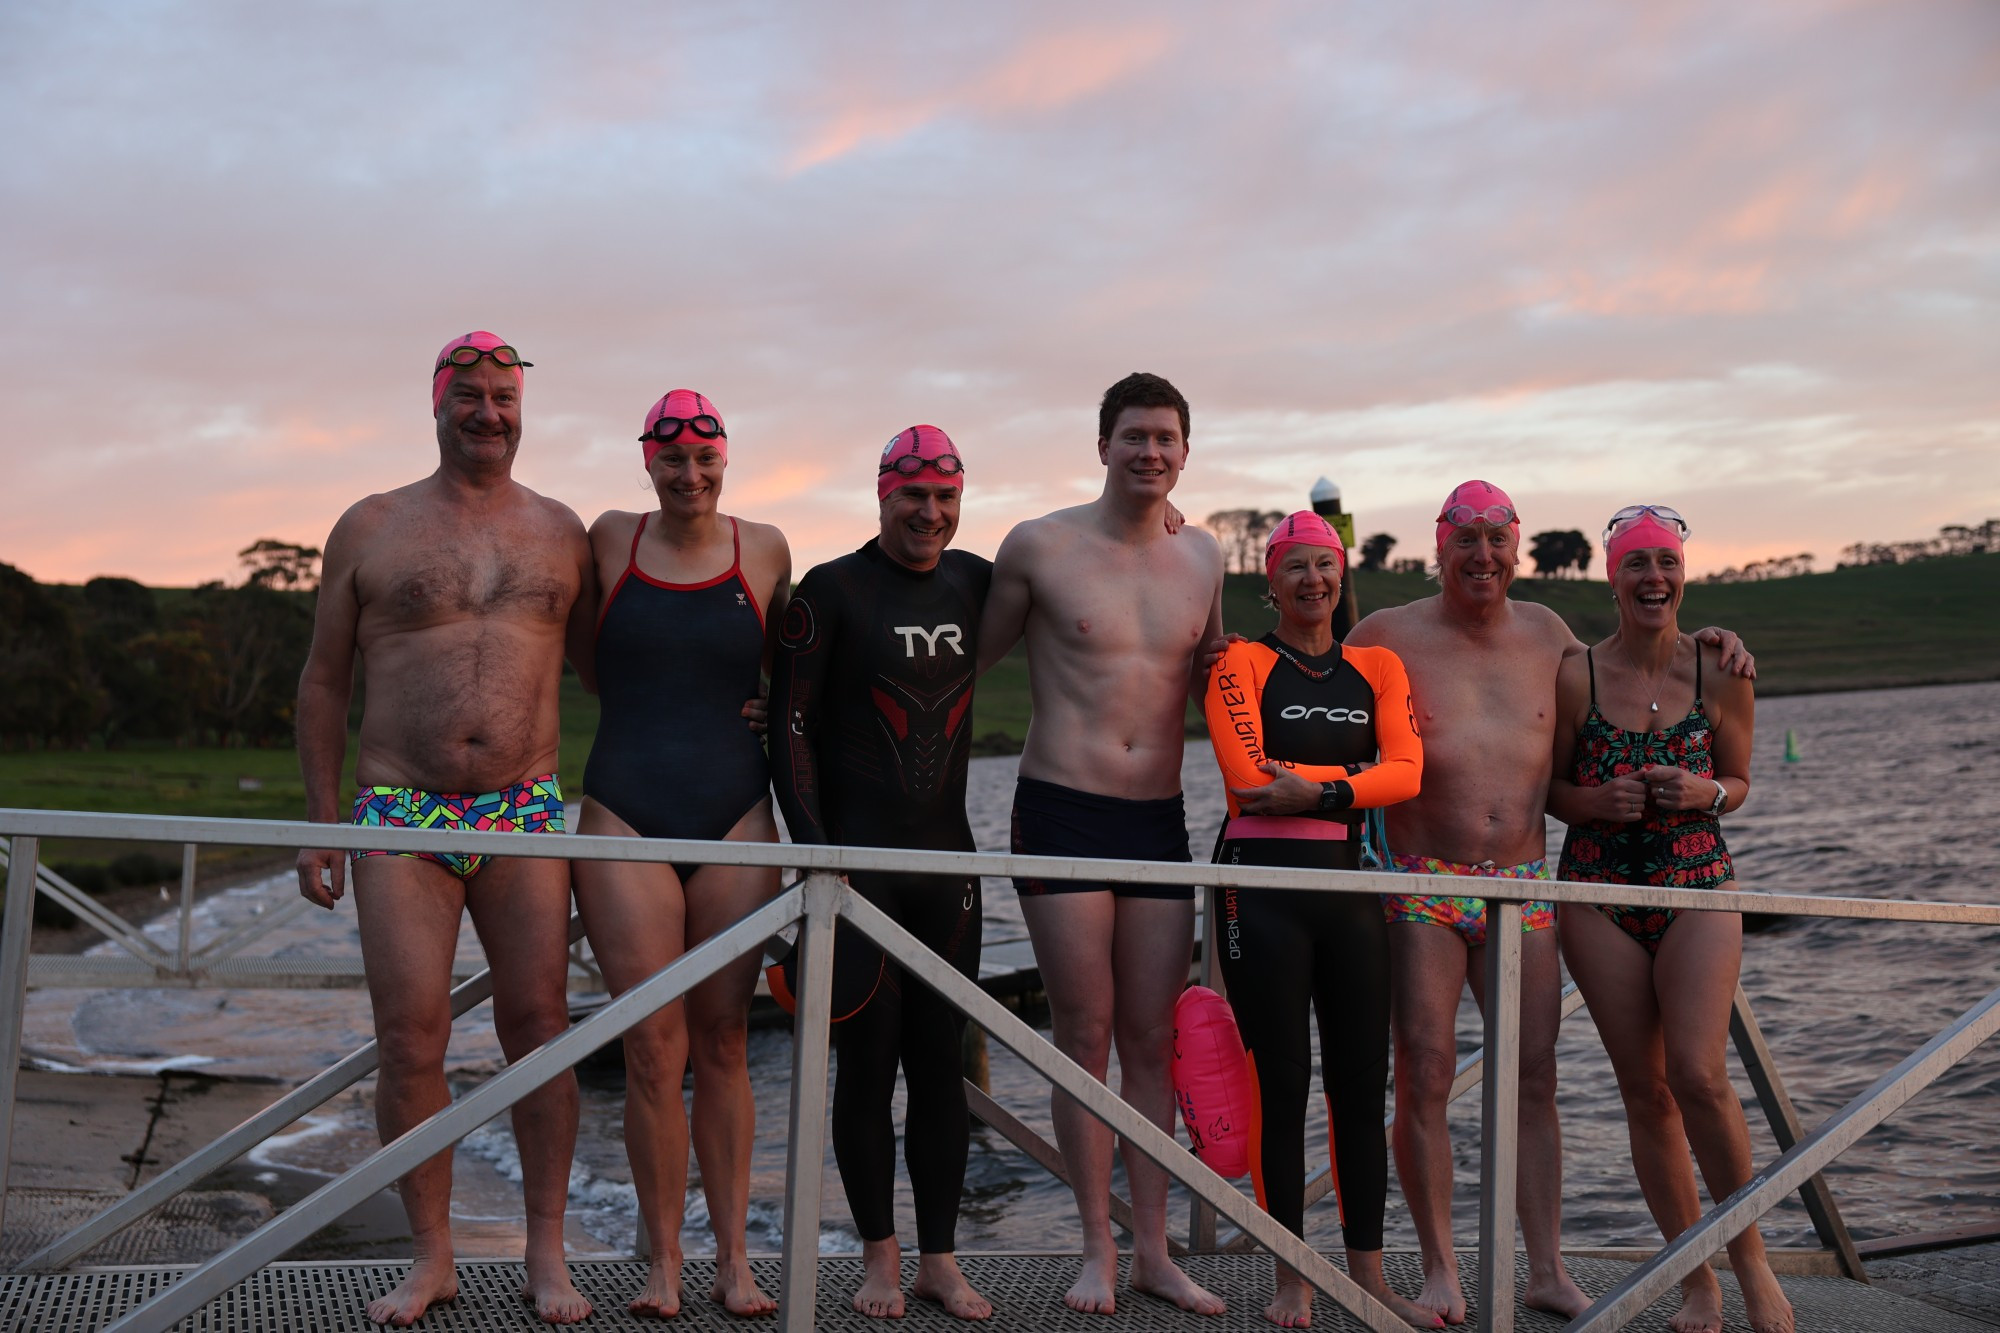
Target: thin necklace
(1661, 681)
(1279, 645)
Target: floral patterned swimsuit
(1681, 849)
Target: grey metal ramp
(1026, 1291)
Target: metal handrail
(822, 898)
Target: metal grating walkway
(1026, 1291)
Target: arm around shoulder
(1009, 596)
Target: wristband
(1335, 796)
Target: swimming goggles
(909, 465)
(1633, 513)
(1459, 515)
(668, 429)
(469, 356)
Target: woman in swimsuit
(1297, 722)
(685, 630)
(1652, 746)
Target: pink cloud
(1049, 72)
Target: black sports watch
(1335, 796)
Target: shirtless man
(1117, 615)
(1482, 675)
(459, 591)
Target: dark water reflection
(1898, 794)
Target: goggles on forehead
(469, 355)
(1459, 515)
(1631, 514)
(909, 465)
(668, 429)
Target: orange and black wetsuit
(871, 703)
(1284, 950)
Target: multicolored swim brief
(1467, 916)
(533, 806)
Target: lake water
(1897, 794)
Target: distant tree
(270, 563)
(1556, 551)
(256, 638)
(1375, 551)
(1411, 566)
(1579, 553)
(1241, 534)
(47, 696)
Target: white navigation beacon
(1324, 491)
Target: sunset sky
(1739, 258)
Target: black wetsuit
(872, 725)
(673, 756)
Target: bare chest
(1122, 609)
(467, 579)
(1494, 700)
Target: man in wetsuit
(1119, 619)
(459, 592)
(872, 686)
(1482, 677)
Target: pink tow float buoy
(1212, 1081)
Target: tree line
(115, 662)
(1952, 539)
(1243, 532)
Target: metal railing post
(15, 934)
(805, 1159)
(1201, 1217)
(188, 851)
(1500, 1117)
(1785, 1128)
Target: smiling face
(479, 421)
(687, 476)
(918, 521)
(1305, 585)
(1649, 583)
(1145, 452)
(1476, 563)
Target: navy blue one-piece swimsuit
(674, 756)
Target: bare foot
(553, 1295)
(1160, 1278)
(881, 1293)
(940, 1282)
(1411, 1313)
(1701, 1308)
(1764, 1300)
(431, 1282)
(1442, 1295)
(1292, 1306)
(1556, 1294)
(737, 1292)
(1096, 1287)
(662, 1297)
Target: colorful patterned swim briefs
(534, 806)
(1467, 916)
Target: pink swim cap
(485, 342)
(1475, 502)
(928, 444)
(684, 405)
(1644, 532)
(1305, 528)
